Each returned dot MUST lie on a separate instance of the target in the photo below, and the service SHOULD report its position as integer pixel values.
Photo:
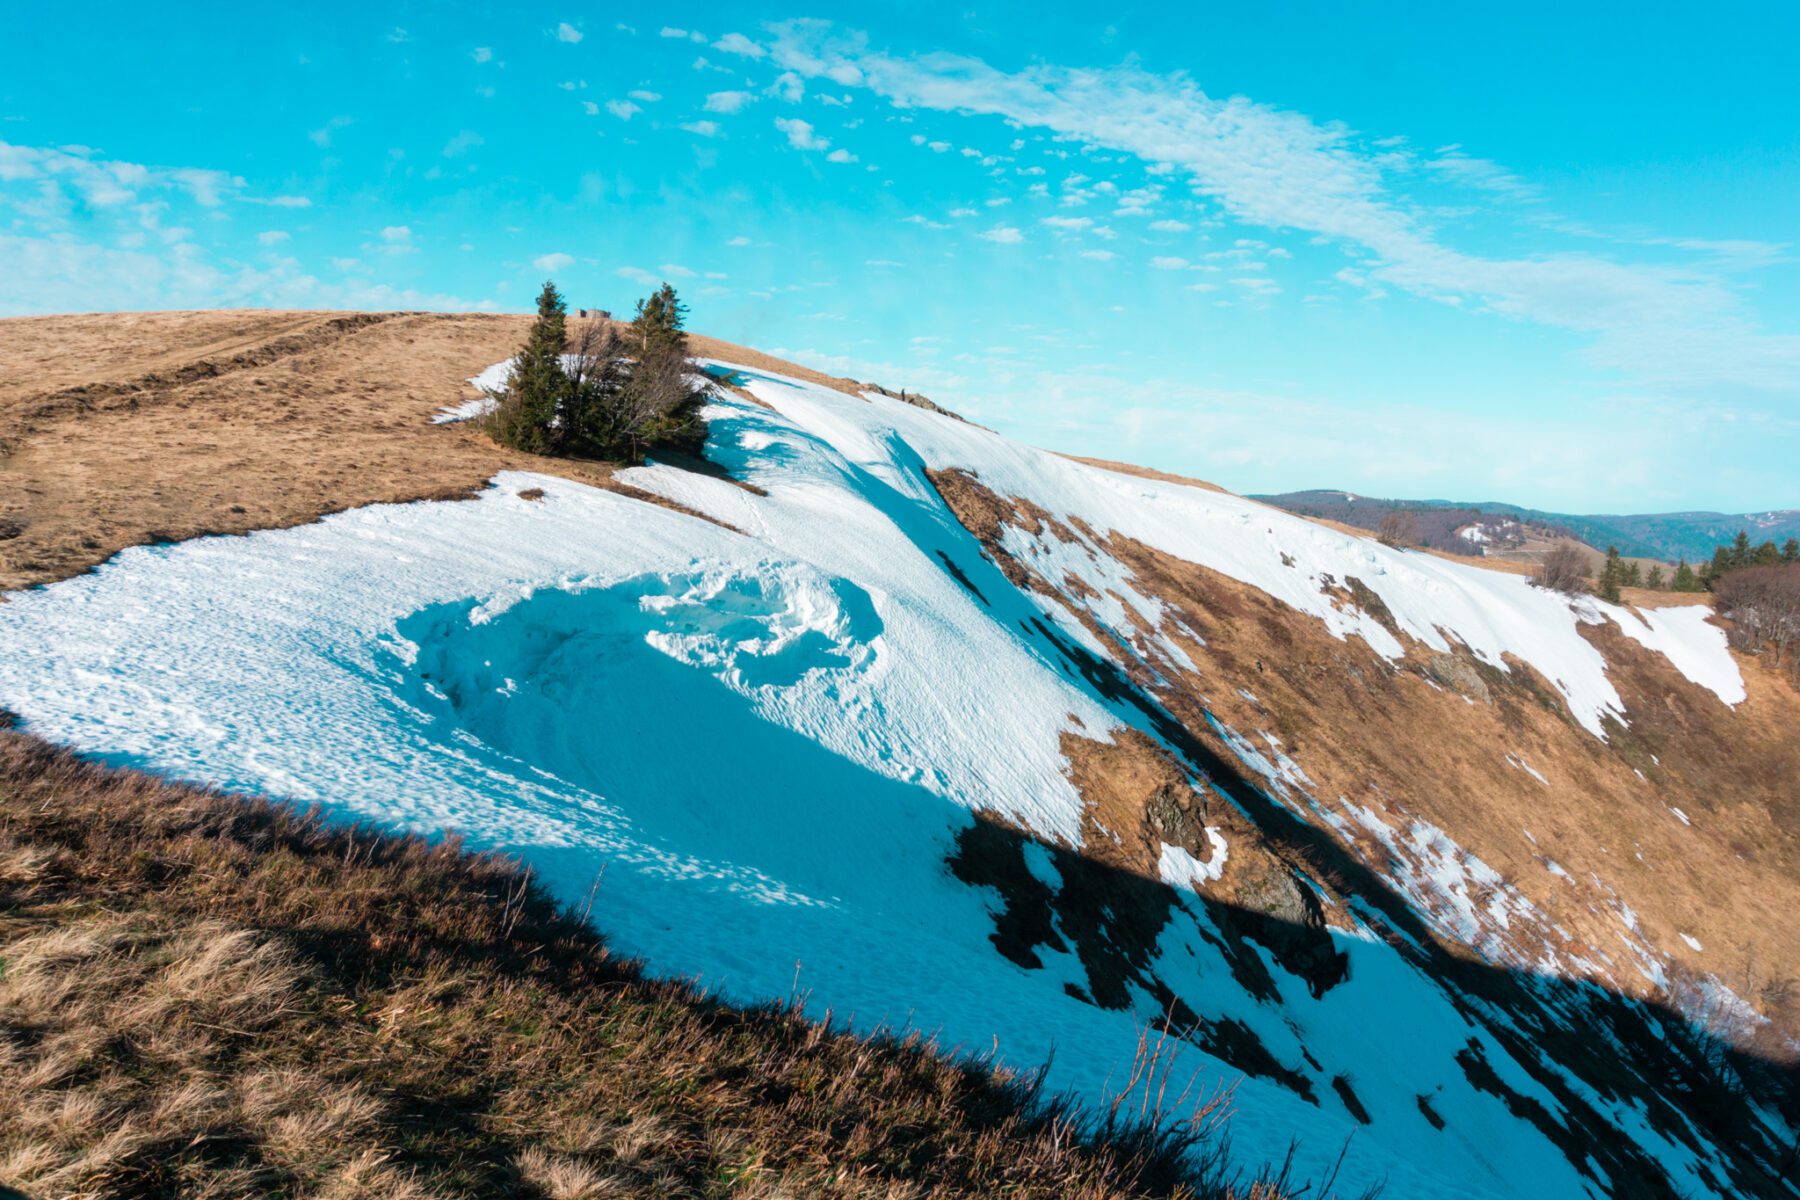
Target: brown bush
(1764, 606)
(1398, 528)
(1563, 569)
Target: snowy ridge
(772, 740)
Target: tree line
(1757, 587)
(596, 392)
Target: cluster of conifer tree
(597, 392)
(1737, 555)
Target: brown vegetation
(1764, 606)
(120, 429)
(1563, 569)
(209, 996)
(1436, 736)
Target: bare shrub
(1564, 569)
(1399, 527)
(1764, 606)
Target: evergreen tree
(1684, 580)
(1790, 550)
(1634, 576)
(1740, 555)
(526, 410)
(1766, 555)
(1655, 579)
(1720, 564)
(659, 320)
(1611, 575)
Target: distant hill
(1670, 536)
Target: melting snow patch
(1680, 816)
(1181, 869)
(1693, 943)
(1687, 639)
(1527, 768)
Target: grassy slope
(206, 996)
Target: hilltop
(1664, 537)
(1053, 758)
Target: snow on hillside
(770, 735)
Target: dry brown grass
(118, 429)
(209, 996)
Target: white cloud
(840, 155)
(676, 271)
(703, 128)
(1169, 262)
(927, 222)
(727, 102)
(788, 86)
(1170, 226)
(622, 109)
(739, 240)
(323, 135)
(646, 97)
(590, 108)
(1099, 255)
(272, 237)
(1277, 169)
(464, 141)
(1070, 224)
(482, 54)
(394, 234)
(566, 32)
(737, 43)
(1005, 235)
(800, 134)
(553, 262)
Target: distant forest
(1427, 523)
(1667, 536)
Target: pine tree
(658, 323)
(525, 411)
(1611, 575)
(1740, 555)
(1655, 579)
(1634, 576)
(1766, 555)
(1720, 564)
(1684, 580)
(1790, 550)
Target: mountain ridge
(1668, 536)
(1247, 780)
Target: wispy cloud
(737, 43)
(800, 134)
(566, 32)
(1271, 168)
(463, 142)
(727, 103)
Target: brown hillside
(1443, 738)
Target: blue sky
(1534, 253)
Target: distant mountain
(1690, 535)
